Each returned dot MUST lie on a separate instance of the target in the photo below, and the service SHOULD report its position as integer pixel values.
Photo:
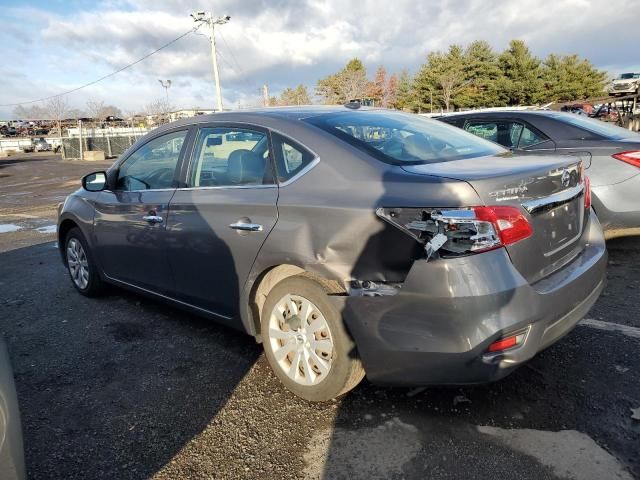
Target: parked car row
(353, 241)
(37, 145)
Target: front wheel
(82, 269)
(306, 342)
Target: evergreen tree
(348, 84)
(521, 83)
(482, 74)
(568, 78)
(441, 78)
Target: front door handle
(246, 227)
(152, 218)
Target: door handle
(246, 227)
(152, 218)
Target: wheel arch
(63, 229)
(269, 278)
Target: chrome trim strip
(225, 187)
(115, 280)
(555, 200)
(302, 172)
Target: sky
(50, 46)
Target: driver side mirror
(95, 182)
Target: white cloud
(286, 42)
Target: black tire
(346, 369)
(94, 285)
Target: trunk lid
(549, 190)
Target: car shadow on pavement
(112, 387)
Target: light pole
(211, 22)
(166, 86)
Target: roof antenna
(353, 104)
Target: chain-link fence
(111, 146)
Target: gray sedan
(613, 155)
(346, 240)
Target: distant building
(187, 113)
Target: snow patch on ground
(9, 227)
(48, 229)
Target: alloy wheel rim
(300, 340)
(78, 263)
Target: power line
(233, 55)
(193, 30)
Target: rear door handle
(152, 218)
(246, 227)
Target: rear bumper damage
(437, 329)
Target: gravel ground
(125, 388)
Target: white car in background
(625, 84)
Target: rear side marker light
(506, 343)
(587, 192)
(632, 157)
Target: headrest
(245, 167)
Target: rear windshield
(402, 138)
(607, 130)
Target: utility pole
(208, 19)
(265, 95)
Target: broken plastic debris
(371, 289)
(460, 399)
(435, 244)
(416, 391)
(635, 413)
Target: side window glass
(530, 138)
(503, 132)
(225, 157)
(153, 165)
(486, 130)
(291, 157)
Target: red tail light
(587, 192)
(632, 157)
(509, 222)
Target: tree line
(471, 77)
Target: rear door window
(224, 157)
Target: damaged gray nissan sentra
(346, 240)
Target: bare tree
(95, 108)
(158, 108)
(57, 109)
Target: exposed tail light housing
(461, 231)
(632, 157)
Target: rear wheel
(306, 342)
(82, 269)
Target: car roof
(266, 116)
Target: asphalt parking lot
(122, 387)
